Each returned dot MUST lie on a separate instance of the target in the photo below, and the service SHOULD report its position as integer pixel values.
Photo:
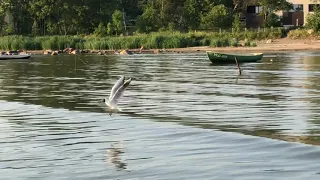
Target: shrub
(298, 33)
(313, 20)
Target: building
(295, 17)
(252, 15)
(298, 15)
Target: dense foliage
(115, 17)
(313, 20)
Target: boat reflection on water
(113, 156)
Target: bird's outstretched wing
(116, 86)
(119, 93)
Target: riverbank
(278, 45)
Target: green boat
(220, 58)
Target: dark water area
(182, 118)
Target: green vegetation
(165, 39)
(114, 24)
(269, 6)
(312, 28)
(115, 17)
(218, 16)
(313, 20)
(298, 34)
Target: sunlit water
(183, 118)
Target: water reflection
(114, 156)
(311, 63)
(312, 85)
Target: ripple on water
(88, 147)
(53, 125)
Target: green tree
(236, 24)
(191, 13)
(19, 9)
(149, 21)
(99, 11)
(58, 17)
(117, 21)
(313, 20)
(273, 20)
(3, 8)
(269, 6)
(218, 16)
(110, 29)
(100, 31)
(166, 11)
(10, 30)
(35, 29)
(71, 16)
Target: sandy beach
(279, 45)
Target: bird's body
(116, 93)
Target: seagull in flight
(116, 93)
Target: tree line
(115, 17)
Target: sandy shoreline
(280, 45)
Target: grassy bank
(149, 41)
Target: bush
(234, 42)
(246, 42)
(298, 34)
(253, 44)
(313, 20)
(101, 30)
(273, 20)
(236, 24)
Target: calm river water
(182, 118)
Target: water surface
(183, 118)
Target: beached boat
(17, 56)
(220, 58)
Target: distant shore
(278, 45)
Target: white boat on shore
(17, 56)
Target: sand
(278, 45)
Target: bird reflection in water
(113, 156)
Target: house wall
(293, 18)
(253, 17)
(289, 18)
(254, 20)
(305, 4)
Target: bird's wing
(116, 86)
(119, 93)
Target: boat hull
(19, 56)
(221, 58)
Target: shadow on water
(59, 82)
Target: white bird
(116, 93)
